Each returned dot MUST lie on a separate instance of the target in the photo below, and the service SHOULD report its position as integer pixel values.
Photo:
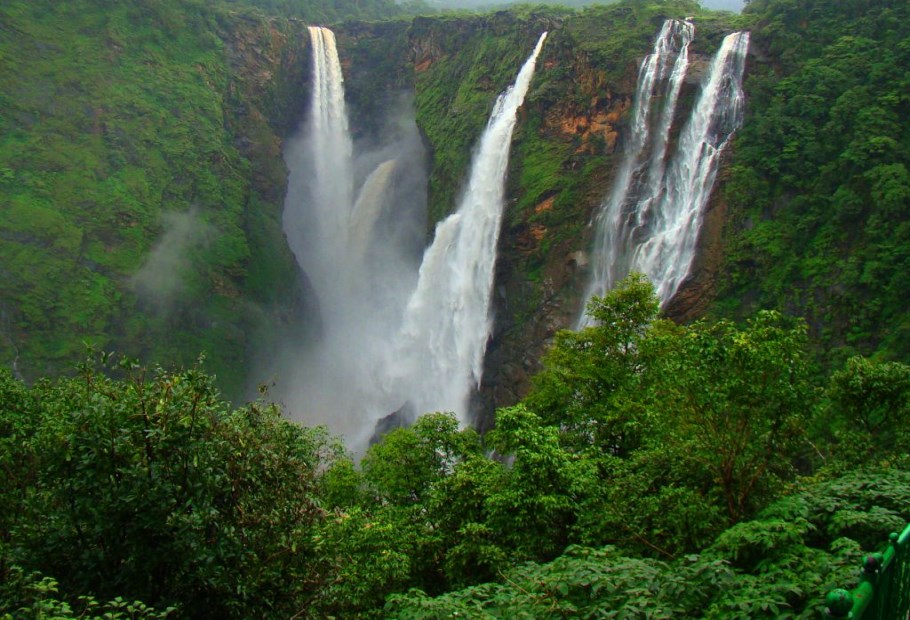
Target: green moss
(121, 121)
(471, 61)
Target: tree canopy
(694, 471)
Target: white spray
(359, 256)
(651, 220)
(438, 360)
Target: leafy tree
(590, 382)
(657, 436)
(868, 410)
(463, 505)
(411, 474)
(780, 564)
(736, 401)
(39, 598)
(582, 583)
(153, 488)
(537, 507)
(809, 542)
(17, 459)
(369, 554)
(408, 461)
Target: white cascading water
(615, 219)
(667, 250)
(318, 234)
(368, 209)
(656, 169)
(438, 359)
(651, 220)
(359, 256)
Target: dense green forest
(819, 184)
(697, 471)
(735, 466)
(328, 11)
(131, 213)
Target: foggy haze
(162, 278)
(334, 378)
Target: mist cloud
(336, 378)
(162, 279)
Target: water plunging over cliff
(317, 224)
(439, 358)
(651, 219)
(360, 256)
(421, 346)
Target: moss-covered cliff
(144, 178)
(564, 149)
(141, 180)
(819, 189)
(563, 154)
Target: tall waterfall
(651, 219)
(355, 220)
(317, 224)
(439, 357)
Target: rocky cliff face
(694, 296)
(544, 250)
(543, 264)
(563, 155)
(269, 65)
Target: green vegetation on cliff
(329, 11)
(565, 148)
(707, 470)
(462, 66)
(463, 62)
(130, 214)
(680, 470)
(819, 186)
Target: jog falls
(651, 221)
(433, 310)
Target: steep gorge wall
(563, 155)
(819, 189)
(142, 182)
(566, 157)
(218, 92)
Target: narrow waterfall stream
(321, 184)
(355, 218)
(651, 219)
(671, 223)
(438, 359)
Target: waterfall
(368, 209)
(612, 221)
(651, 219)
(439, 357)
(669, 246)
(360, 256)
(317, 221)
